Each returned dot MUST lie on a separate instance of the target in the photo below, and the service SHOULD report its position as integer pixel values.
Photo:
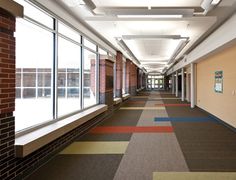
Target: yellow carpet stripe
(142, 108)
(94, 147)
(194, 175)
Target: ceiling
(155, 34)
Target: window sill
(125, 96)
(32, 141)
(117, 100)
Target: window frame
(54, 73)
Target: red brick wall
(119, 71)
(133, 78)
(7, 63)
(128, 76)
(106, 82)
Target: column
(173, 83)
(8, 11)
(133, 79)
(119, 74)
(176, 84)
(128, 77)
(192, 98)
(106, 82)
(183, 84)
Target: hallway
(153, 135)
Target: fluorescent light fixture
(215, 2)
(74, 3)
(151, 16)
(131, 37)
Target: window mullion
(55, 71)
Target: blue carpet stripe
(184, 119)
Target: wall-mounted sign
(219, 81)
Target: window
(36, 14)
(49, 83)
(90, 71)
(102, 52)
(68, 81)
(33, 88)
(69, 32)
(90, 45)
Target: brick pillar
(7, 90)
(133, 79)
(119, 74)
(128, 77)
(106, 83)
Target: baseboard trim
(219, 120)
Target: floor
(154, 135)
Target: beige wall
(222, 105)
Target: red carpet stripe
(174, 105)
(132, 129)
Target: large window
(50, 60)
(90, 61)
(68, 80)
(34, 63)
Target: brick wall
(7, 62)
(128, 77)
(7, 90)
(106, 83)
(133, 78)
(119, 71)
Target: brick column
(7, 89)
(133, 79)
(119, 71)
(106, 82)
(128, 77)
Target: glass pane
(89, 78)
(44, 79)
(29, 79)
(89, 44)
(69, 32)
(18, 79)
(44, 92)
(36, 14)
(102, 52)
(68, 76)
(34, 51)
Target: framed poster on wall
(219, 81)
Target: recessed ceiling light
(151, 16)
(74, 3)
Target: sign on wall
(219, 81)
